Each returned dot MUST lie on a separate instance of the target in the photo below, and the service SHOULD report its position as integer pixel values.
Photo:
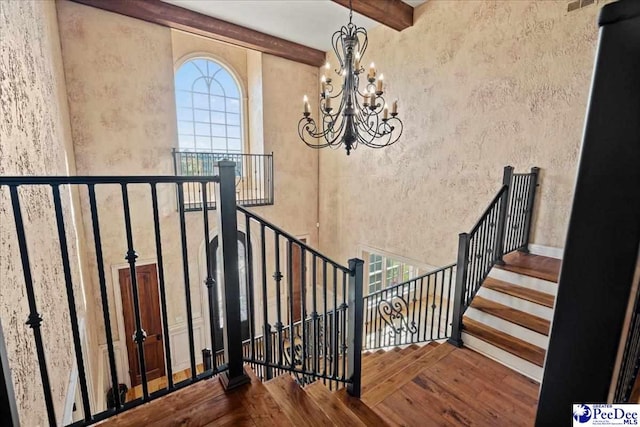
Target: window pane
(219, 144)
(233, 119)
(233, 105)
(203, 129)
(203, 143)
(183, 99)
(228, 83)
(201, 115)
(185, 128)
(233, 131)
(219, 130)
(234, 144)
(200, 101)
(217, 103)
(217, 118)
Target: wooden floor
(432, 385)
(537, 266)
(161, 383)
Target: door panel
(150, 321)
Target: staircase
(509, 319)
(430, 385)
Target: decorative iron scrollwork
(393, 311)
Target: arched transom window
(208, 108)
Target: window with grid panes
(208, 107)
(385, 272)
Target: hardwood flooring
(532, 265)
(431, 385)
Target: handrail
(488, 209)
(291, 238)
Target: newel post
(228, 230)
(507, 178)
(356, 306)
(459, 292)
(533, 184)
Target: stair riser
(507, 327)
(534, 283)
(548, 251)
(525, 367)
(517, 303)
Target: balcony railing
(254, 177)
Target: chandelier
(360, 115)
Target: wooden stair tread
(506, 342)
(378, 393)
(527, 294)
(538, 266)
(297, 405)
(360, 409)
(382, 360)
(521, 318)
(372, 378)
(333, 407)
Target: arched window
(208, 108)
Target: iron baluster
(62, 239)
(131, 256)
(187, 286)
(103, 294)
(34, 320)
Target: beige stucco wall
(119, 74)
(480, 85)
(35, 140)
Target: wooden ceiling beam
(392, 13)
(179, 18)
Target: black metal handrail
(417, 310)
(309, 288)
(253, 172)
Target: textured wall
(119, 74)
(35, 140)
(480, 85)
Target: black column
(604, 230)
(228, 229)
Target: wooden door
(150, 321)
(296, 271)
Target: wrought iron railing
(313, 296)
(503, 227)
(144, 192)
(253, 173)
(418, 310)
(522, 188)
(630, 366)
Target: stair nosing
(517, 341)
(519, 294)
(477, 300)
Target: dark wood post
(459, 292)
(228, 230)
(356, 306)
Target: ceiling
(308, 22)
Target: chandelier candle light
(361, 117)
